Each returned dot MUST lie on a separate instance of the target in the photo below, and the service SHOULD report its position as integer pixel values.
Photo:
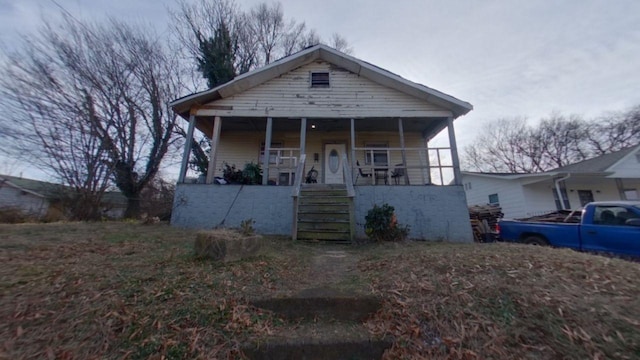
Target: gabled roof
(35, 187)
(374, 73)
(602, 163)
(599, 165)
(52, 191)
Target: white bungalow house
(614, 176)
(44, 200)
(363, 130)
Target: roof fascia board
(321, 114)
(8, 182)
(509, 177)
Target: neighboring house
(43, 199)
(614, 176)
(362, 129)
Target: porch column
(403, 152)
(303, 136)
(267, 150)
(428, 161)
(187, 149)
(215, 140)
(457, 177)
(353, 148)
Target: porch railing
(282, 165)
(295, 193)
(417, 166)
(346, 172)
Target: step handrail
(298, 177)
(348, 178)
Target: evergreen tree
(217, 57)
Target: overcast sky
(506, 57)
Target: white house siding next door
(333, 163)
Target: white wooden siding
(519, 201)
(349, 96)
(11, 197)
(539, 199)
(510, 194)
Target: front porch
(379, 151)
(393, 164)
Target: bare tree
(89, 103)
(615, 131)
(504, 146)
(558, 140)
(260, 35)
(561, 140)
(339, 43)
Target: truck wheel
(536, 240)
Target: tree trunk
(133, 207)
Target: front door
(585, 196)
(333, 173)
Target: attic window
(320, 80)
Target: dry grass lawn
(128, 291)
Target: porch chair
(397, 173)
(361, 173)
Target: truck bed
(556, 234)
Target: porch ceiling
(427, 126)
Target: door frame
(324, 153)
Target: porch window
(565, 198)
(320, 79)
(273, 156)
(631, 194)
(494, 200)
(380, 157)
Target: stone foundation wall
(432, 212)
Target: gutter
(559, 192)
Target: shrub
(382, 225)
(252, 173)
(246, 227)
(11, 215)
(232, 175)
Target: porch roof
(321, 52)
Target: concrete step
(320, 323)
(324, 235)
(339, 345)
(322, 304)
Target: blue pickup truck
(610, 227)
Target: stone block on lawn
(225, 245)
